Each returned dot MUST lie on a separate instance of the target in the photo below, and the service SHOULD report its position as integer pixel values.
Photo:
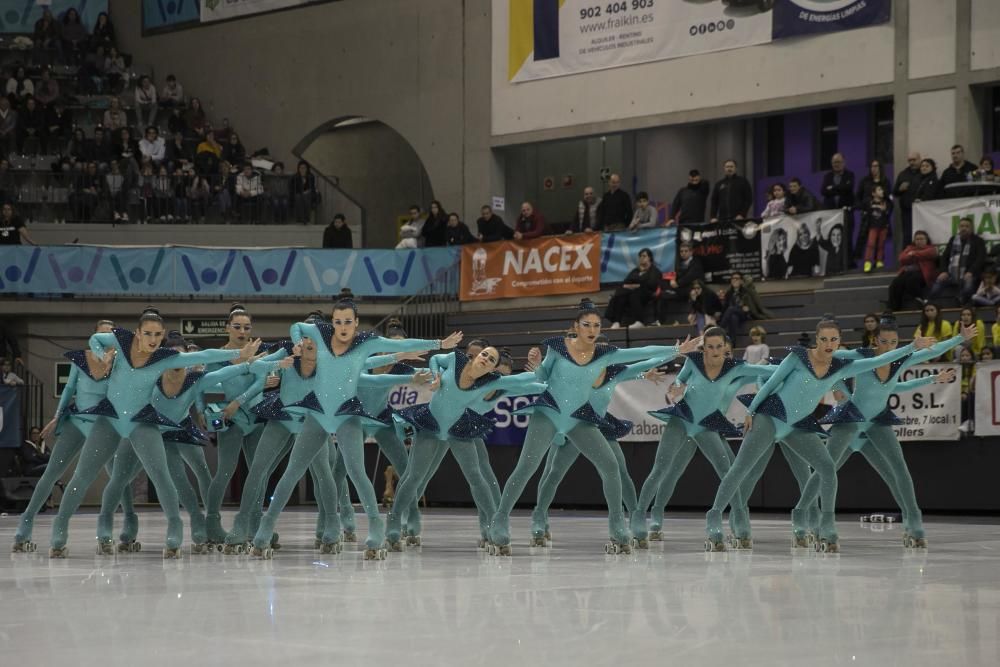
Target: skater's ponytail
(104, 323)
(828, 321)
(586, 307)
(481, 343)
(394, 328)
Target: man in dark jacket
(732, 196)
(615, 211)
(838, 192)
(530, 224)
(905, 191)
(690, 202)
(687, 270)
(457, 232)
(957, 171)
(491, 227)
(799, 200)
(962, 263)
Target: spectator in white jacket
(172, 93)
(152, 146)
(145, 101)
(409, 233)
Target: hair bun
(393, 322)
(587, 304)
(150, 310)
(887, 318)
(237, 307)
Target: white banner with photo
(939, 218)
(810, 244)
(219, 10)
(988, 398)
(547, 39)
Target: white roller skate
(58, 552)
(267, 553)
(105, 548)
(129, 547)
(199, 549)
(376, 554)
(330, 548)
(23, 547)
(172, 554)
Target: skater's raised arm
(635, 371)
(99, 342)
(380, 360)
(861, 365)
(440, 362)
(785, 368)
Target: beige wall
(932, 37)
(985, 42)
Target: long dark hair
(393, 328)
(924, 322)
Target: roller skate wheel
(504, 550)
(625, 548)
(800, 542)
(30, 547)
(396, 546)
(137, 546)
(714, 546)
(537, 542)
(58, 553)
(490, 549)
(171, 553)
(240, 549)
(105, 549)
(611, 548)
(655, 536)
(350, 536)
(220, 548)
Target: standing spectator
(874, 177)
(59, 123)
(104, 32)
(615, 210)
(644, 216)
(530, 224)
(687, 271)
(195, 118)
(337, 234)
(757, 351)
(74, 37)
(491, 227)
(172, 94)
(10, 378)
(152, 147)
(115, 117)
(302, 191)
(47, 90)
(690, 201)
(586, 218)
(117, 187)
(20, 87)
(732, 196)
(434, 227)
(929, 187)
(803, 260)
(957, 172)
(838, 193)
(46, 35)
(116, 71)
(31, 128)
(410, 232)
(799, 200)
(705, 307)
(962, 262)
(905, 192)
(776, 202)
(457, 232)
(8, 128)
(145, 101)
(276, 188)
(988, 293)
(628, 305)
(249, 188)
(177, 153)
(12, 230)
(233, 150)
(875, 218)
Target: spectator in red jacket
(918, 269)
(530, 224)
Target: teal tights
(273, 443)
(230, 442)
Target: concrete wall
(985, 41)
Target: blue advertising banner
(793, 18)
(19, 16)
(160, 14)
(510, 428)
(10, 417)
(620, 251)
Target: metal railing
(32, 399)
(425, 314)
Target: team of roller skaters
(146, 399)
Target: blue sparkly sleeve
(934, 351)
(520, 384)
(784, 370)
(633, 371)
(915, 383)
(223, 374)
(301, 330)
(69, 391)
(440, 362)
(99, 342)
(185, 359)
(383, 379)
(756, 370)
(861, 365)
(629, 354)
(404, 344)
(847, 354)
(685, 373)
(544, 370)
(380, 360)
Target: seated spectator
(434, 227)
(86, 193)
(126, 147)
(199, 195)
(78, 150)
(59, 125)
(31, 128)
(530, 224)
(302, 191)
(207, 157)
(180, 181)
(917, 271)
(410, 232)
(966, 318)
(12, 229)
(803, 260)
(928, 188)
(115, 71)
(276, 189)
(8, 128)
(615, 210)
(233, 150)
(757, 351)
(337, 234)
(104, 32)
(988, 293)
(735, 305)
(73, 36)
(46, 35)
(628, 305)
(116, 186)
(146, 104)
(644, 216)
(962, 263)
(34, 454)
(987, 171)
(799, 200)
(586, 218)
(457, 232)
(491, 227)
(20, 87)
(875, 217)
(210, 145)
(690, 201)
(115, 118)
(687, 270)
(932, 324)
(869, 331)
(957, 172)
(195, 118)
(776, 202)
(705, 308)
(172, 94)
(223, 133)
(177, 152)
(249, 188)
(152, 146)
(47, 90)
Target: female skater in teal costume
(449, 423)
(138, 365)
(78, 408)
(874, 436)
(334, 408)
(710, 381)
(175, 392)
(561, 457)
(571, 367)
(782, 410)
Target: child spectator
(757, 351)
(876, 220)
(644, 216)
(776, 202)
(988, 293)
(966, 317)
(10, 378)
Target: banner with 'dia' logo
(539, 267)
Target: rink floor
(447, 603)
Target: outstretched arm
(847, 354)
(544, 369)
(519, 384)
(861, 365)
(379, 361)
(756, 370)
(440, 362)
(185, 359)
(634, 371)
(631, 354)
(383, 379)
(934, 351)
(915, 383)
(99, 342)
(784, 370)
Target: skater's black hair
(174, 339)
(887, 322)
(586, 307)
(150, 314)
(235, 310)
(481, 343)
(506, 358)
(394, 328)
(103, 323)
(715, 332)
(345, 301)
(828, 321)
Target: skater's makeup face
(887, 340)
(485, 361)
(588, 327)
(239, 329)
(150, 335)
(345, 324)
(715, 348)
(827, 340)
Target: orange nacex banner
(567, 264)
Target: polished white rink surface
(450, 604)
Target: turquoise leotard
(82, 398)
